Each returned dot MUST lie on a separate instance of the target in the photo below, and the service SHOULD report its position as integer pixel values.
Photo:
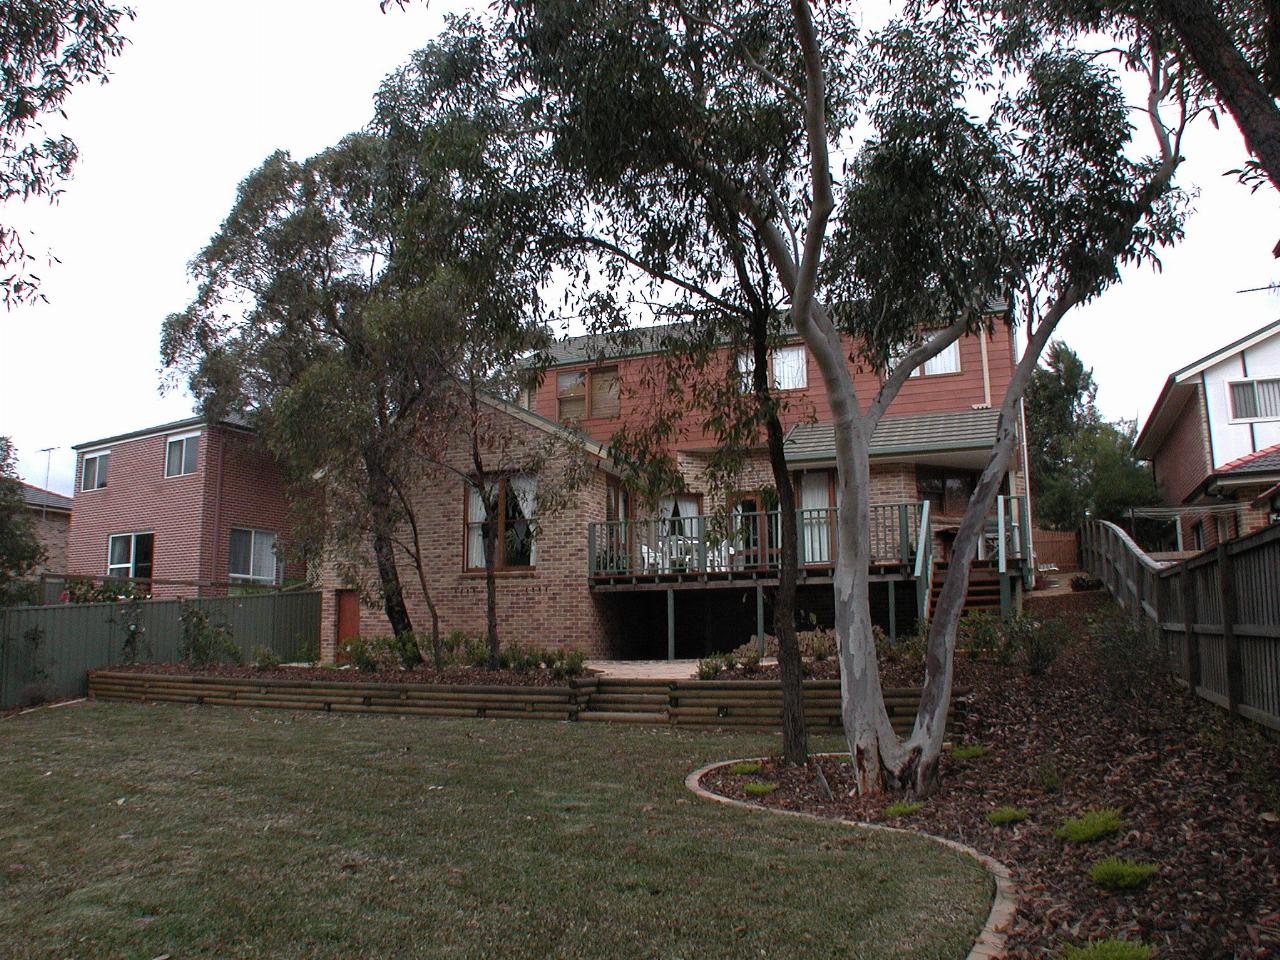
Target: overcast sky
(204, 92)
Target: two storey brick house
(684, 573)
(1213, 441)
(190, 504)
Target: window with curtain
(253, 556)
(948, 361)
(571, 396)
(180, 455)
(1255, 399)
(130, 555)
(789, 368)
(603, 397)
(94, 471)
(515, 517)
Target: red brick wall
(1182, 463)
(641, 383)
(548, 605)
(51, 528)
(139, 498)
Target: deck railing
(743, 542)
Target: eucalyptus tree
(46, 50)
(20, 549)
(348, 298)
(987, 167)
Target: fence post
(1227, 596)
(1190, 640)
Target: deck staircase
(984, 586)
(628, 701)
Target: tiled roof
(919, 433)
(1265, 460)
(236, 420)
(38, 498)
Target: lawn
(139, 831)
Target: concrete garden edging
(991, 941)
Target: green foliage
(381, 654)
(1005, 816)
(1109, 950)
(264, 658)
(709, 667)
(1131, 657)
(1115, 873)
(1048, 776)
(128, 616)
(20, 550)
(759, 788)
(745, 769)
(204, 642)
(970, 751)
(1091, 825)
(309, 649)
(980, 633)
(903, 808)
(48, 49)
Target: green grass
(1113, 873)
(1090, 825)
(970, 751)
(760, 788)
(903, 808)
(1109, 950)
(745, 769)
(137, 831)
(1004, 816)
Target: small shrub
(1114, 873)
(822, 645)
(1085, 581)
(309, 649)
(264, 658)
(745, 769)
(1048, 777)
(381, 654)
(980, 633)
(760, 788)
(1005, 816)
(970, 751)
(568, 663)
(1090, 825)
(1132, 657)
(1109, 950)
(204, 642)
(903, 808)
(709, 668)
(1040, 648)
(751, 661)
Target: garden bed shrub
(970, 751)
(1115, 873)
(1091, 825)
(745, 769)
(760, 788)
(264, 658)
(903, 808)
(1109, 950)
(1085, 581)
(1004, 816)
(203, 641)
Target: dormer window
(948, 361)
(180, 455)
(789, 366)
(587, 394)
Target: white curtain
(475, 526)
(1268, 398)
(264, 556)
(746, 366)
(815, 533)
(948, 361)
(789, 368)
(524, 487)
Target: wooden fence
(1058, 547)
(50, 649)
(1218, 612)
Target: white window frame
(251, 577)
(1231, 406)
(745, 363)
(84, 463)
(133, 536)
(949, 356)
(182, 438)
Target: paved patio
(645, 669)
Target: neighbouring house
(196, 502)
(51, 517)
(615, 573)
(1213, 441)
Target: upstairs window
(180, 455)
(948, 361)
(253, 557)
(1255, 399)
(130, 555)
(789, 364)
(586, 394)
(94, 472)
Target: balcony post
(904, 534)
(591, 549)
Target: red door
(348, 615)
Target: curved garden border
(990, 944)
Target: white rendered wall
(1234, 440)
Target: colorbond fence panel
(1218, 612)
(52, 648)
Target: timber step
(611, 699)
(984, 586)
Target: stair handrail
(923, 570)
(1126, 570)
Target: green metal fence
(50, 649)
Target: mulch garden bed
(460, 676)
(1199, 795)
